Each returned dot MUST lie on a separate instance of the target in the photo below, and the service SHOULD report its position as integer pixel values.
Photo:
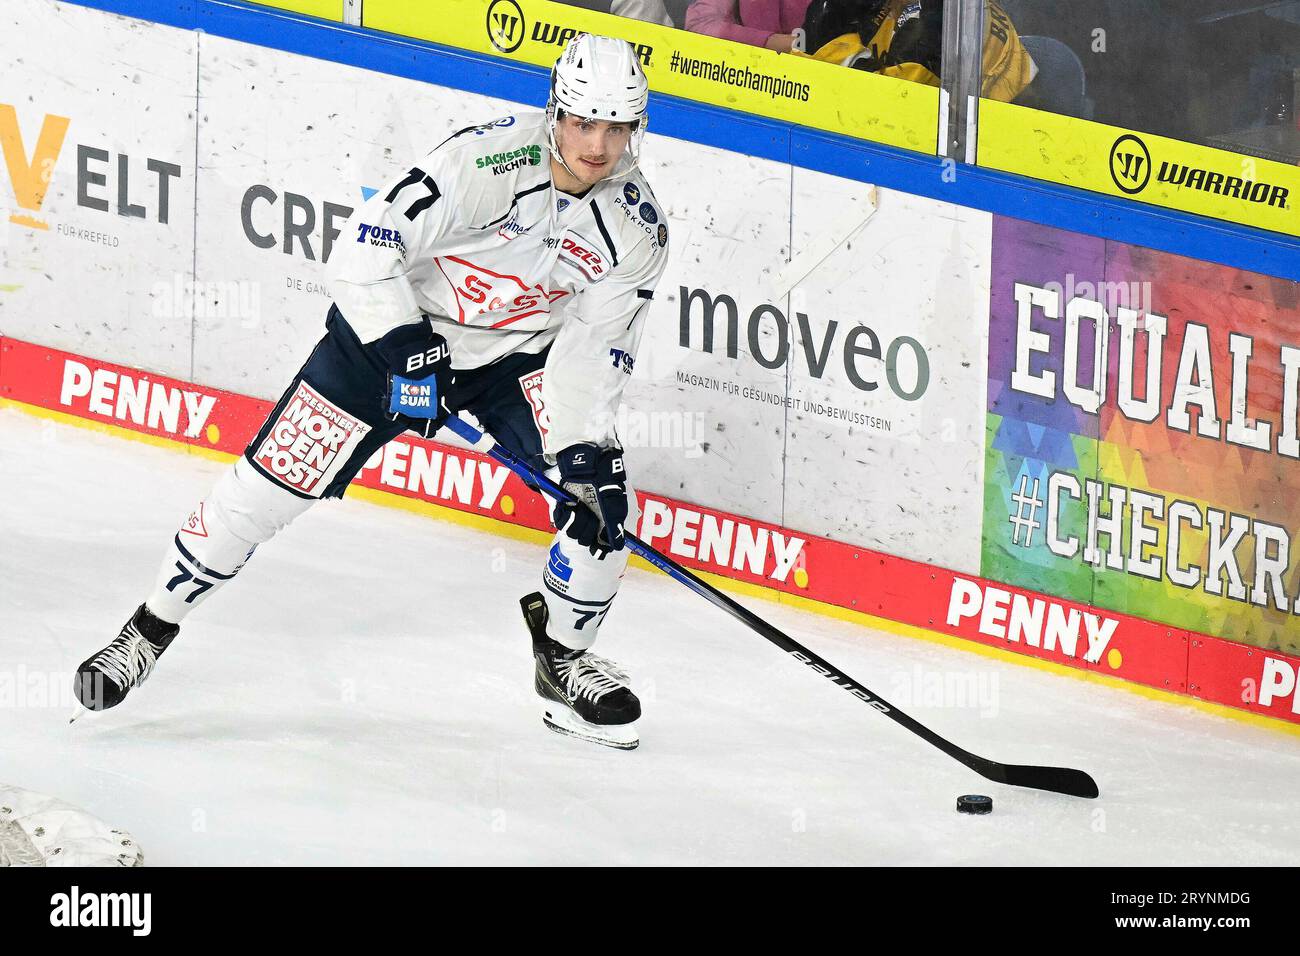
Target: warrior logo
(505, 25)
(1130, 164)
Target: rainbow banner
(1142, 452)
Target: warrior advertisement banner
(1142, 446)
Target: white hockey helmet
(599, 78)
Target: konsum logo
(106, 181)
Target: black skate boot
(586, 696)
(106, 678)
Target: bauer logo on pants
(310, 441)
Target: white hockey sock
(579, 587)
(244, 510)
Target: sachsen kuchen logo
(505, 25)
(1130, 164)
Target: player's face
(590, 148)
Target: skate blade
(618, 736)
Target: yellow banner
(1131, 165)
(732, 75)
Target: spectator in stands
(649, 11)
(766, 23)
(904, 39)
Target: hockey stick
(1075, 783)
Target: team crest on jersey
(481, 291)
(561, 204)
(585, 260)
(631, 194)
(309, 443)
(531, 386)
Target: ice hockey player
(509, 275)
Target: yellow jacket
(1008, 67)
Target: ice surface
(362, 693)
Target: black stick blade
(1074, 783)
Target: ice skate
(586, 696)
(105, 679)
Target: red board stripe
(986, 612)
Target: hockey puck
(974, 803)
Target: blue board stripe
(1009, 195)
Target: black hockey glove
(419, 377)
(596, 478)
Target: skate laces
(590, 676)
(128, 660)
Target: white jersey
(478, 238)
